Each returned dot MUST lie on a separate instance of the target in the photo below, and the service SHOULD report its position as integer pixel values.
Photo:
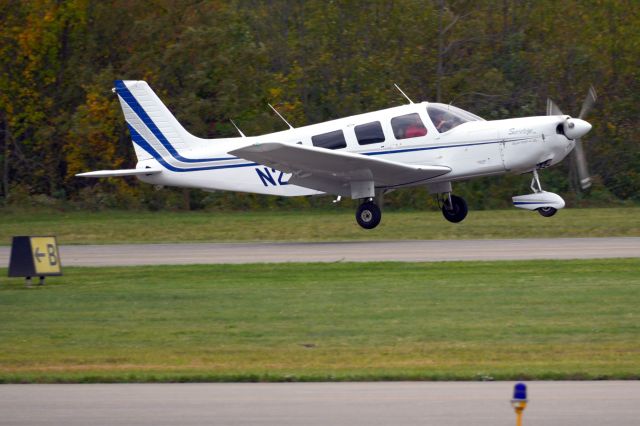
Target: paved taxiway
(356, 251)
(283, 404)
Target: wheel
(547, 211)
(458, 212)
(368, 215)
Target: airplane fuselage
(471, 149)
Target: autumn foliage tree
(212, 61)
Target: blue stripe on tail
(128, 97)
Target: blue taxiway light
(520, 392)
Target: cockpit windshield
(446, 117)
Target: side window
(331, 140)
(369, 133)
(408, 126)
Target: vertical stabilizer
(154, 130)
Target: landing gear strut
(368, 215)
(454, 208)
(536, 187)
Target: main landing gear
(454, 208)
(369, 212)
(368, 215)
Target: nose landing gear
(545, 203)
(547, 211)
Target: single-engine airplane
(362, 156)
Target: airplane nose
(575, 128)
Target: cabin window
(446, 117)
(408, 126)
(369, 133)
(331, 140)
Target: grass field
(312, 225)
(342, 321)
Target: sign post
(34, 257)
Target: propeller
(575, 128)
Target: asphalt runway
(287, 404)
(356, 251)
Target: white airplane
(362, 156)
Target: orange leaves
(92, 141)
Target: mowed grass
(311, 225)
(342, 321)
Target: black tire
(547, 211)
(458, 212)
(368, 215)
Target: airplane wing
(123, 172)
(335, 171)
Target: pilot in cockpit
(441, 121)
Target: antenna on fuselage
(403, 94)
(237, 128)
(276, 111)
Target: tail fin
(154, 130)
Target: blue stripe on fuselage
(142, 143)
(428, 148)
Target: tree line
(212, 61)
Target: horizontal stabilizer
(123, 172)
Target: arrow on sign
(39, 255)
